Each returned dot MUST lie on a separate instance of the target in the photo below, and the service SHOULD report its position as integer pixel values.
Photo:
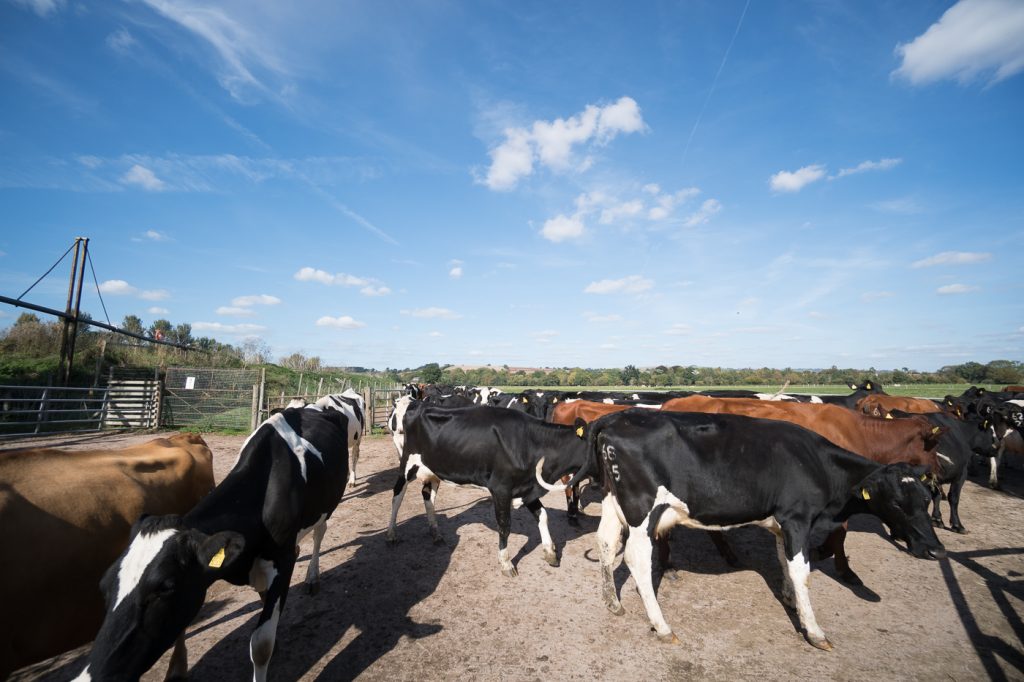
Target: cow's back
(64, 518)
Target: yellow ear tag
(864, 493)
(868, 385)
(579, 432)
(525, 400)
(888, 416)
(935, 429)
(218, 559)
(924, 478)
(554, 401)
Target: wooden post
(319, 388)
(65, 334)
(254, 414)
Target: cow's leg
(993, 471)
(353, 460)
(797, 569)
(177, 669)
(396, 502)
(953, 496)
(261, 644)
(936, 510)
(722, 545)
(429, 494)
(835, 546)
(541, 514)
(639, 551)
(503, 516)
(572, 502)
(609, 538)
(313, 570)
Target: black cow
(718, 471)
(494, 449)
(287, 481)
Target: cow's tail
(585, 432)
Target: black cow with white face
(287, 481)
(489, 448)
(719, 471)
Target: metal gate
(211, 399)
(378, 409)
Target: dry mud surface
(420, 611)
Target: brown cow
(912, 440)
(64, 518)
(879, 405)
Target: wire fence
(211, 399)
(39, 410)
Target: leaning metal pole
(78, 301)
(64, 368)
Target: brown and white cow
(64, 517)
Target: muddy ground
(420, 611)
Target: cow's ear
(219, 551)
(581, 428)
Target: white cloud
(972, 38)
(595, 317)
(562, 227)
(441, 313)
(235, 311)
(41, 7)
(152, 235)
(435, 335)
(666, 203)
(375, 291)
(157, 310)
(902, 206)
(633, 284)
(90, 161)
(786, 181)
(709, 208)
(953, 258)
(864, 166)
(551, 143)
(456, 270)
(870, 296)
(256, 299)
(231, 329)
(545, 336)
(956, 289)
(628, 209)
(117, 287)
(679, 329)
(144, 178)
(155, 295)
(121, 41)
(343, 322)
(368, 287)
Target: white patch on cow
(636, 396)
(262, 574)
(296, 443)
(943, 457)
(261, 644)
(503, 559)
(141, 553)
(678, 513)
(799, 570)
(649, 406)
(83, 676)
(816, 400)
(517, 502)
(545, 534)
(608, 401)
(907, 479)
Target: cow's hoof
(615, 607)
(850, 578)
(959, 529)
(670, 638)
(438, 538)
(670, 573)
(391, 538)
(313, 588)
(822, 643)
(551, 557)
(510, 572)
(938, 523)
(994, 486)
(573, 521)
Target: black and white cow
(288, 479)
(493, 449)
(351, 404)
(718, 471)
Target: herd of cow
(798, 466)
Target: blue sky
(534, 184)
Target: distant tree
(133, 324)
(182, 334)
(430, 373)
(160, 330)
(630, 375)
(255, 351)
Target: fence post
(320, 388)
(368, 401)
(44, 401)
(255, 408)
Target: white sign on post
(190, 383)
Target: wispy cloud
(597, 317)
(157, 310)
(433, 313)
(121, 41)
(563, 227)
(343, 322)
(229, 329)
(871, 296)
(953, 258)
(865, 166)
(368, 287)
(551, 143)
(709, 208)
(144, 178)
(679, 329)
(256, 299)
(152, 235)
(41, 7)
(956, 289)
(119, 287)
(456, 269)
(235, 311)
(794, 181)
(902, 206)
(972, 39)
(633, 284)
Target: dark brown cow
(879, 404)
(912, 440)
(64, 518)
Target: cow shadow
(377, 482)
(367, 598)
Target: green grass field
(913, 390)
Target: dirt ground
(420, 611)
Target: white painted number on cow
(608, 452)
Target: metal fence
(379, 404)
(211, 399)
(35, 410)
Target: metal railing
(34, 410)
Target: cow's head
(153, 591)
(897, 494)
